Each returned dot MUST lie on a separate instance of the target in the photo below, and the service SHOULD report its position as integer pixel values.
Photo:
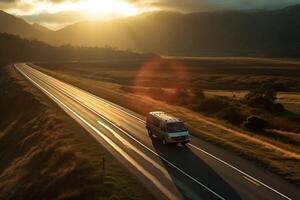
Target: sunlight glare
(108, 7)
(93, 9)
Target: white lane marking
(240, 171)
(250, 180)
(126, 143)
(198, 148)
(163, 170)
(152, 178)
(122, 109)
(115, 106)
(107, 103)
(133, 138)
(163, 158)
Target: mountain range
(220, 33)
(13, 25)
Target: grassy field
(290, 100)
(44, 154)
(142, 86)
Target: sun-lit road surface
(198, 171)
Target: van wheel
(184, 143)
(164, 141)
(150, 133)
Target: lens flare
(162, 78)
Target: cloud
(61, 1)
(61, 17)
(56, 21)
(208, 5)
(53, 1)
(8, 1)
(15, 6)
(60, 11)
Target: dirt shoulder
(44, 154)
(278, 157)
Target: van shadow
(191, 164)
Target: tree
(199, 93)
(255, 123)
(212, 105)
(232, 115)
(263, 97)
(181, 96)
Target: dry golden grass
(279, 157)
(291, 100)
(47, 155)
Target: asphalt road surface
(198, 171)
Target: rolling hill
(222, 33)
(16, 49)
(255, 33)
(13, 25)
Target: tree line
(16, 49)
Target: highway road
(198, 171)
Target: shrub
(264, 98)
(232, 115)
(255, 123)
(199, 93)
(212, 105)
(180, 97)
(157, 93)
(278, 108)
(180, 92)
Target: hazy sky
(58, 13)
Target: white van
(167, 128)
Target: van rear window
(176, 127)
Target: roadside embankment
(44, 154)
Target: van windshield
(176, 127)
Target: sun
(107, 8)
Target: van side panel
(162, 130)
(154, 125)
(158, 127)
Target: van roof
(164, 116)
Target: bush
(232, 115)
(278, 108)
(212, 105)
(157, 93)
(182, 93)
(199, 93)
(255, 123)
(179, 97)
(264, 98)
